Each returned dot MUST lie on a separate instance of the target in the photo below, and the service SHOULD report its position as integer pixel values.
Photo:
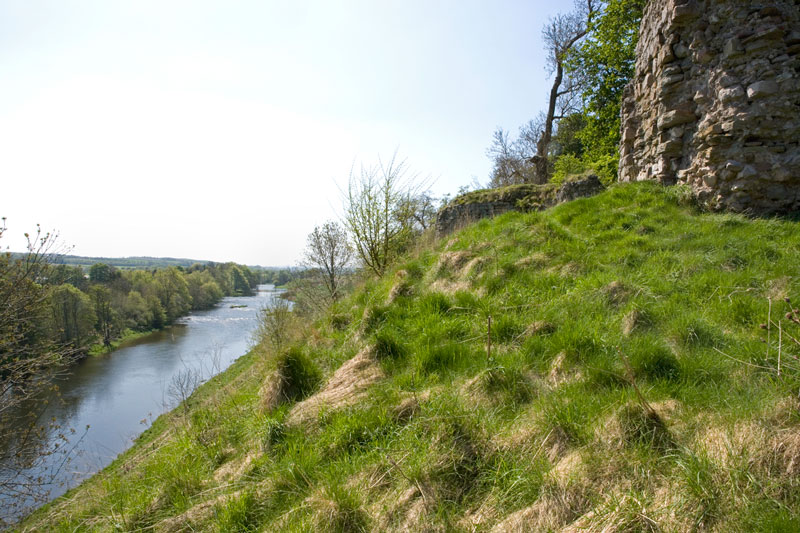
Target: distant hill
(139, 262)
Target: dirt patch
(347, 386)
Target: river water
(118, 395)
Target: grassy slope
(607, 403)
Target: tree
(28, 358)
(329, 253)
(102, 273)
(72, 316)
(606, 61)
(101, 299)
(560, 35)
(371, 213)
(173, 292)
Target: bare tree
(329, 253)
(276, 325)
(560, 34)
(28, 362)
(371, 212)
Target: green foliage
(102, 273)
(567, 165)
(72, 316)
(606, 59)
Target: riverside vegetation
(619, 363)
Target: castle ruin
(715, 102)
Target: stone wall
(489, 203)
(715, 102)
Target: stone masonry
(715, 102)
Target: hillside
(630, 387)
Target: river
(118, 395)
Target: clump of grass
(642, 425)
(294, 378)
(508, 384)
(338, 509)
(388, 344)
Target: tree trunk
(540, 160)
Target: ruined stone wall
(476, 205)
(715, 102)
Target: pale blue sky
(220, 130)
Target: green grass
(630, 386)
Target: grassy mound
(643, 376)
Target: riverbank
(127, 337)
(121, 395)
(599, 366)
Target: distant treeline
(108, 303)
(136, 262)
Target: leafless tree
(28, 363)
(182, 385)
(275, 325)
(371, 204)
(328, 253)
(561, 34)
(513, 160)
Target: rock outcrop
(492, 202)
(715, 102)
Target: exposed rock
(489, 203)
(725, 75)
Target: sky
(226, 130)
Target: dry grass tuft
(635, 320)
(785, 451)
(616, 293)
(409, 407)
(271, 394)
(540, 327)
(336, 510)
(561, 372)
(778, 289)
(727, 446)
(535, 260)
(446, 286)
(618, 514)
(550, 512)
(401, 287)
(636, 424)
(347, 386)
(570, 468)
(235, 469)
(452, 262)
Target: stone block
(762, 89)
(676, 117)
(731, 94)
